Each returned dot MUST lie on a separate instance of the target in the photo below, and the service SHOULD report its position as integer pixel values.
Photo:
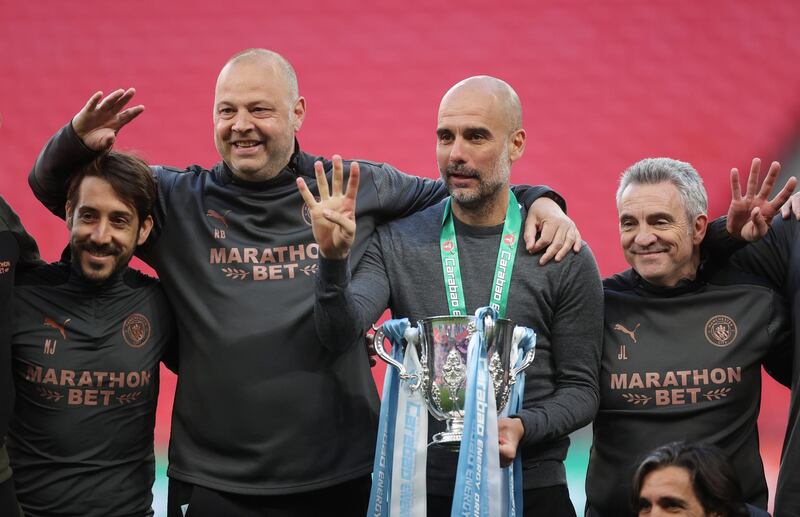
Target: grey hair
(651, 171)
(268, 56)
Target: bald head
(479, 135)
(268, 59)
(493, 93)
(257, 111)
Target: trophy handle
(414, 379)
(528, 359)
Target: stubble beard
(480, 200)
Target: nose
(458, 151)
(644, 236)
(101, 233)
(242, 122)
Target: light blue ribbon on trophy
(478, 482)
(380, 493)
(524, 340)
(410, 440)
(398, 485)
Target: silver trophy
(441, 343)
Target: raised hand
(749, 216)
(557, 232)
(333, 217)
(101, 118)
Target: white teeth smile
(246, 144)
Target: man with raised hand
(776, 257)
(479, 137)
(234, 250)
(89, 336)
(684, 338)
(17, 250)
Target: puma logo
(630, 333)
(50, 322)
(219, 217)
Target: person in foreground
(235, 253)
(479, 138)
(684, 339)
(691, 480)
(89, 334)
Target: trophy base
(450, 440)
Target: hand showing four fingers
(749, 215)
(333, 216)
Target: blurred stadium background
(603, 84)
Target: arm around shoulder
(400, 194)
(62, 156)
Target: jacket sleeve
(778, 362)
(576, 341)
(28, 251)
(769, 257)
(400, 194)
(527, 194)
(346, 305)
(63, 155)
(718, 245)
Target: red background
(603, 84)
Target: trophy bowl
(442, 344)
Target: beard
(94, 273)
(489, 182)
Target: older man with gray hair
(684, 341)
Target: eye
(445, 137)
(261, 111)
(226, 112)
(86, 217)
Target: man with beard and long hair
(88, 337)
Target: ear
(299, 110)
(144, 230)
(68, 209)
(516, 145)
(699, 227)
